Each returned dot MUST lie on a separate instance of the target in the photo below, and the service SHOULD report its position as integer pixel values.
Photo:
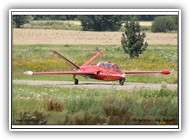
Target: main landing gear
(122, 81)
(76, 81)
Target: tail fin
(67, 60)
(93, 58)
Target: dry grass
(73, 22)
(45, 36)
(145, 23)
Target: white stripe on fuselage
(122, 75)
(110, 74)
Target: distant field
(53, 24)
(48, 36)
(145, 23)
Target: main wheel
(121, 81)
(76, 81)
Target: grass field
(41, 58)
(58, 105)
(82, 106)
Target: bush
(19, 20)
(164, 24)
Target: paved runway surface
(97, 85)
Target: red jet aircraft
(102, 71)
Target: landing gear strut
(75, 80)
(122, 81)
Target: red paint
(165, 72)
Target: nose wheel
(76, 81)
(122, 81)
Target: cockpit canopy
(108, 65)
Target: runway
(96, 85)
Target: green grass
(58, 105)
(41, 58)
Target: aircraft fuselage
(106, 74)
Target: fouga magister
(105, 71)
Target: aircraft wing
(62, 72)
(147, 72)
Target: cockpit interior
(108, 65)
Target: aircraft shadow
(89, 84)
(96, 84)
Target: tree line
(93, 22)
(104, 22)
(77, 17)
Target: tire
(76, 82)
(121, 81)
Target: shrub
(54, 106)
(164, 24)
(19, 20)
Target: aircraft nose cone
(28, 73)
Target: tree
(146, 17)
(100, 22)
(165, 23)
(19, 20)
(133, 40)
